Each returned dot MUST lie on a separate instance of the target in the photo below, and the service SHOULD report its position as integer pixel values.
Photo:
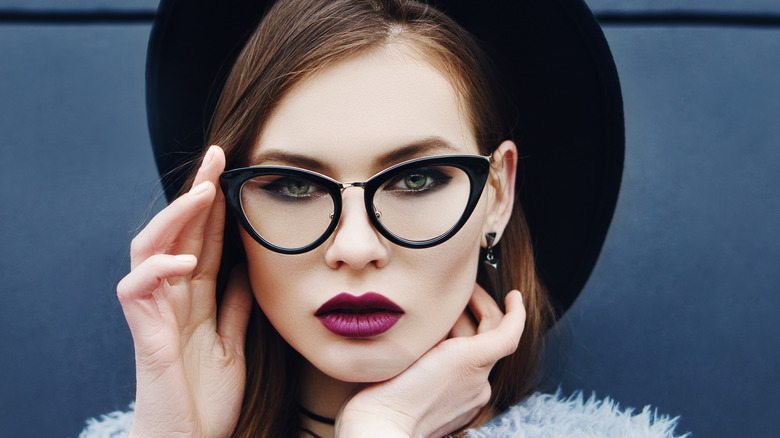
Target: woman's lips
(363, 316)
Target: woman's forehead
(370, 106)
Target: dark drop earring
(491, 265)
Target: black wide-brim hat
(558, 67)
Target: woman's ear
(501, 189)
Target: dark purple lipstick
(364, 316)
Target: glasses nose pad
(330, 216)
(377, 213)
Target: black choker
(303, 429)
(317, 418)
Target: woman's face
(350, 121)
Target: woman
(365, 154)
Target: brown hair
(296, 39)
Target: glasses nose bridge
(357, 184)
(345, 186)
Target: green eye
(298, 188)
(419, 181)
(416, 181)
(292, 188)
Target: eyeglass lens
(419, 204)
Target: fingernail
(200, 188)
(185, 258)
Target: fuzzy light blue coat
(538, 416)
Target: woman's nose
(355, 243)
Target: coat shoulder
(552, 415)
(538, 416)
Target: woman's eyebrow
(416, 149)
(419, 148)
(289, 159)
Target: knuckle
(138, 246)
(484, 395)
(492, 320)
(475, 362)
(134, 244)
(123, 291)
(509, 346)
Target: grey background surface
(679, 312)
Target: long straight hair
(295, 40)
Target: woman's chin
(362, 375)
(368, 367)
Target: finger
(162, 232)
(502, 341)
(193, 236)
(141, 282)
(211, 251)
(236, 308)
(485, 310)
(464, 326)
(211, 166)
(514, 303)
(135, 291)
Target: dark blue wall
(678, 313)
(681, 309)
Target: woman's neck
(323, 396)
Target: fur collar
(540, 416)
(553, 416)
(114, 425)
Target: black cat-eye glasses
(415, 204)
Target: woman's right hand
(190, 366)
(445, 388)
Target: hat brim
(560, 72)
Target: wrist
(364, 424)
(373, 430)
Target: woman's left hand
(444, 389)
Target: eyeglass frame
(476, 167)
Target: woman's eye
(299, 188)
(292, 187)
(419, 180)
(416, 181)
